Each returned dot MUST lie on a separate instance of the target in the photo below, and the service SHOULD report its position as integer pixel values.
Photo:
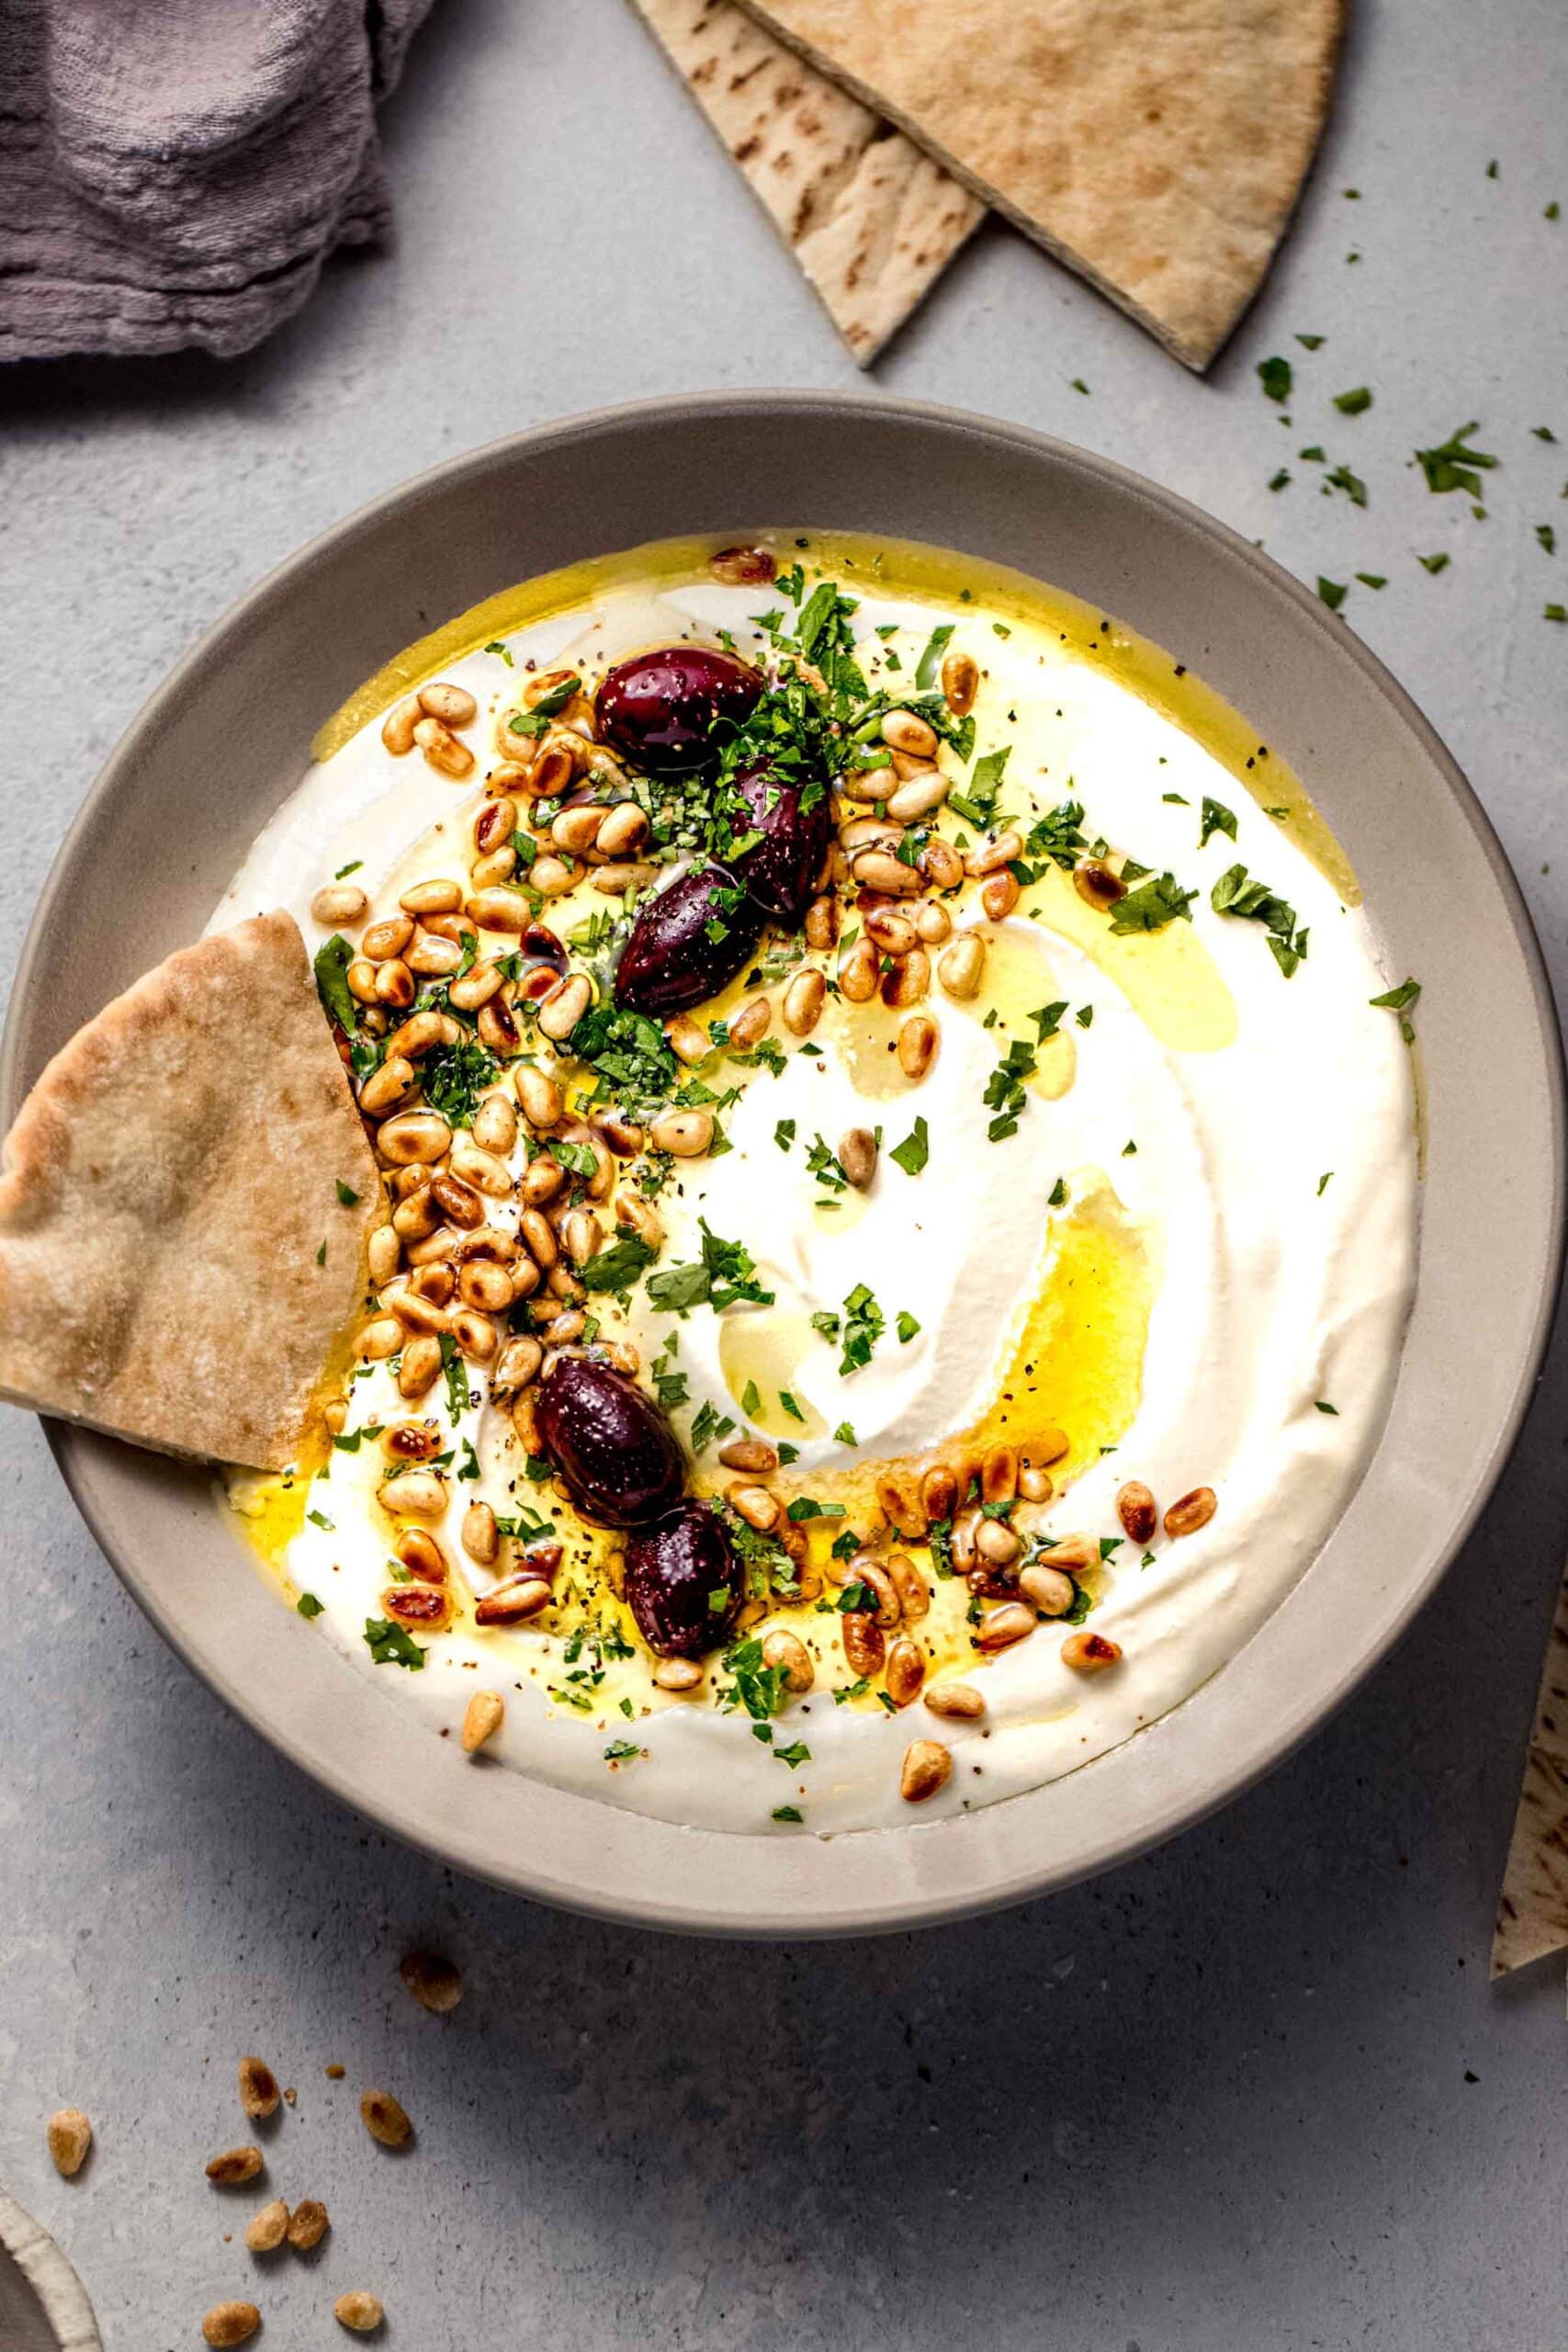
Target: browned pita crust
(1532, 1910)
(872, 221)
(166, 1188)
(1156, 146)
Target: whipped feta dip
(1155, 1190)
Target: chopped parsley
(1216, 818)
(622, 1751)
(346, 1195)
(392, 1645)
(907, 1326)
(619, 1265)
(724, 1273)
(1433, 564)
(1154, 901)
(929, 661)
(787, 1813)
(844, 1435)
(456, 1373)
(1253, 901)
(333, 959)
(1353, 403)
(864, 1326)
(455, 1077)
(1453, 465)
(1274, 375)
(1333, 592)
(914, 1151)
(308, 1606)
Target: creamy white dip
(1211, 1148)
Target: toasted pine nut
(422, 1032)
(621, 875)
(562, 1329)
(914, 1600)
(360, 2313)
(996, 1542)
(442, 750)
(933, 921)
(927, 1767)
(542, 1179)
(433, 898)
(431, 1981)
(434, 957)
(69, 2135)
(360, 979)
(960, 682)
(453, 705)
(878, 869)
(338, 903)
(1137, 1510)
(413, 1494)
(551, 876)
(482, 1718)
(396, 727)
(386, 1088)
(500, 909)
(1097, 885)
(689, 1041)
(498, 1028)
(582, 1233)
(574, 830)
(917, 1044)
(259, 2093)
(495, 824)
(685, 1135)
(999, 1475)
(902, 1509)
(1191, 1511)
(682, 1674)
(540, 1098)
(857, 1157)
(998, 895)
(864, 787)
(387, 939)
(416, 1217)
(999, 1628)
(417, 1604)
(989, 858)
(867, 832)
(414, 1138)
(495, 1124)
(475, 1335)
(560, 1012)
(385, 2119)
(942, 865)
(1035, 1486)
(939, 1492)
(483, 1170)
(905, 730)
(412, 1440)
(495, 869)
(909, 980)
(753, 1454)
(755, 1506)
(1088, 1653)
(788, 1653)
(1047, 1589)
(961, 966)
(229, 2323)
(1074, 1553)
(624, 830)
(516, 1365)
(918, 796)
(416, 1311)
(485, 1286)
(891, 931)
(957, 1699)
(382, 1337)
(234, 2168)
(906, 1671)
(863, 1646)
(859, 973)
(421, 1367)
(752, 1024)
(743, 567)
(308, 2224)
(418, 1551)
(803, 1001)
(641, 1217)
(513, 1603)
(822, 922)
(1044, 1447)
(265, 2231)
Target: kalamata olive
(658, 709)
(781, 870)
(613, 1449)
(672, 960)
(683, 1581)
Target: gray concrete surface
(1251, 2092)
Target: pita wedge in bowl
(1156, 146)
(185, 1203)
(872, 219)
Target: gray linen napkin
(175, 172)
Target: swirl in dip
(886, 1320)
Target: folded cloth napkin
(175, 172)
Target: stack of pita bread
(1158, 147)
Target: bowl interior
(229, 736)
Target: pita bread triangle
(1532, 1910)
(872, 221)
(185, 1203)
(1158, 147)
